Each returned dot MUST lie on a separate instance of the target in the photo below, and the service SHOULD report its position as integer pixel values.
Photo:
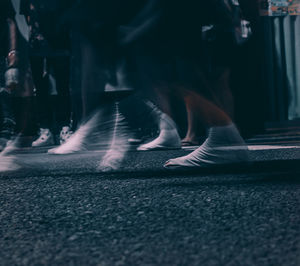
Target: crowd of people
(165, 49)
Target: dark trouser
(7, 118)
(52, 107)
(8, 124)
(94, 65)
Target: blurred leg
(223, 145)
(61, 101)
(43, 104)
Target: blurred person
(94, 26)
(213, 103)
(9, 74)
(158, 42)
(219, 67)
(170, 56)
(173, 59)
(50, 67)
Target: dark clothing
(177, 22)
(47, 16)
(6, 11)
(166, 39)
(162, 37)
(99, 20)
(250, 9)
(49, 60)
(52, 108)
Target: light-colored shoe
(65, 134)
(77, 141)
(224, 145)
(45, 138)
(9, 162)
(167, 139)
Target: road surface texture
(59, 210)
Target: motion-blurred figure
(94, 26)
(213, 103)
(9, 74)
(172, 57)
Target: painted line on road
(251, 147)
(270, 147)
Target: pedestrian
(9, 74)
(50, 67)
(212, 102)
(180, 66)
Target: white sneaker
(45, 138)
(65, 134)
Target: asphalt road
(59, 210)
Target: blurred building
(280, 21)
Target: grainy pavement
(58, 210)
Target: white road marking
(251, 147)
(270, 147)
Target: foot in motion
(224, 145)
(45, 138)
(7, 133)
(7, 161)
(75, 142)
(167, 139)
(64, 136)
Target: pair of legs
(51, 77)
(92, 68)
(7, 117)
(220, 104)
(194, 119)
(223, 144)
